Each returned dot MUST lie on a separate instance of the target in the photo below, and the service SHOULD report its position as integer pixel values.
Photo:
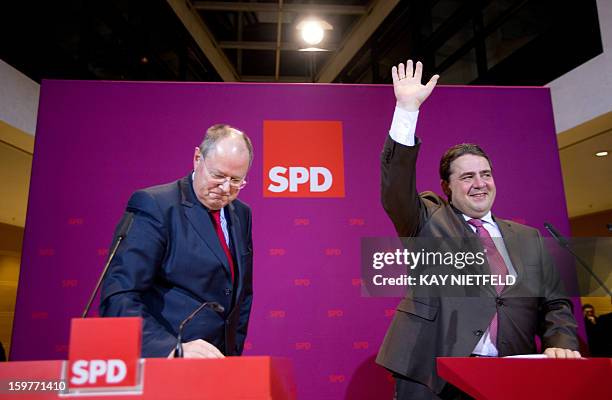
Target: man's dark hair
(457, 151)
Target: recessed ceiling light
(601, 153)
(313, 31)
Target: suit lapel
(199, 219)
(513, 248)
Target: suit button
(500, 302)
(478, 332)
(228, 292)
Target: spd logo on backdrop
(303, 159)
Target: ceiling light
(313, 31)
(601, 153)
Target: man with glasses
(189, 243)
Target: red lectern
(518, 378)
(103, 363)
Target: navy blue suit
(172, 261)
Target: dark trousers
(407, 389)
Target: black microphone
(565, 244)
(555, 234)
(122, 230)
(178, 349)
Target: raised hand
(409, 92)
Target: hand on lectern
(199, 349)
(409, 92)
(555, 352)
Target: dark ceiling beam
(254, 45)
(281, 79)
(240, 24)
(355, 39)
(273, 7)
(454, 23)
(487, 30)
(279, 32)
(205, 39)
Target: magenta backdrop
(97, 142)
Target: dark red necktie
(217, 223)
(496, 264)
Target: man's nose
(479, 182)
(225, 186)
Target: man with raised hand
(497, 324)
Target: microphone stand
(564, 243)
(178, 349)
(124, 228)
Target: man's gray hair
(218, 132)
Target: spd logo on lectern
(303, 159)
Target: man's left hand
(555, 352)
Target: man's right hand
(409, 92)
(199, 349)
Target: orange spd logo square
(303, 159)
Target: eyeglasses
(219, 179)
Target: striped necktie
(496, 264)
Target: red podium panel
(229, 378)
(253, 378)
(104, 362)
(17, 373)
(512, 378)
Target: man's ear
(445, 188)
(197, 156)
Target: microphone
(565, 244)
(555, 234)
(122, 231)
(178, 349)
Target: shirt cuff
(403, 126)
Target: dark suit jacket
(172, 261)
(428, 327)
